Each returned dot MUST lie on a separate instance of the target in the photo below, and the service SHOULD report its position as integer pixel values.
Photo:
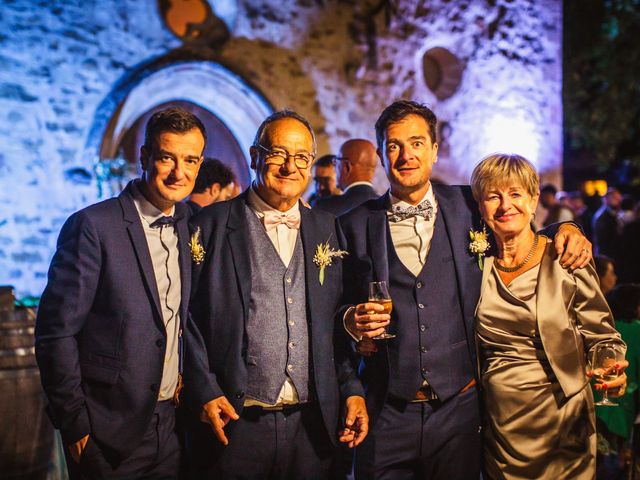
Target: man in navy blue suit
(267, 283)
(110, 322)
(421, 394)
(358, 161)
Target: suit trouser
(157, 456)
(289, 444)
(428, 440)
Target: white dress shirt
(163, 249)
(284, 240)
(412, 236)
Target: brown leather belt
(426, 393)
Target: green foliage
(602, 78)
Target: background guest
(605, 225)
(556, 210)
(605, 268)
(324, 179)
(629, 252)
(615, 425)
(581, 213)
(215, 183)
(358, 161)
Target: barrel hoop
(19, 373)
(17, 352)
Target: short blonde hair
(501, 169)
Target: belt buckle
(425, 394)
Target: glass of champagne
(603, 365)
(379, 293)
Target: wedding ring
(585, 250)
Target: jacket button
(423, 328)
(420, 305)
(159, 343)
(419, 284)
(423, 349)
(239, 394)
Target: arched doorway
(230, 108)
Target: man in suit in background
(421, 393)
(110, 321)
(606, 226)
(324, 179)
(264, 300)
(215, 183)
(358, 161)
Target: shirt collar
(147, 210)
(355, 184)
(259, 206)
(427, 196)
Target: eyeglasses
(340, 159)
(278, 156)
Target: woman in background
(536, 323)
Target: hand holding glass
(604, 359)
(379, 293)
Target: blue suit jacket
(219, 309)
(364, 235)
(339, 204)
(100, 338)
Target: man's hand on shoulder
(356, 424)
(218, 412)
(574, 249)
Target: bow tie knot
(272, 219)
(163, 221)
(424, 210)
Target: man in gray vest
(267, 283)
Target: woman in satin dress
(536, 324)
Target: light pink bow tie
(272, 219)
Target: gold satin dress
(532, 431)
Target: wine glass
(603, 366)
(379, 293)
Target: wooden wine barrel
(26, 438)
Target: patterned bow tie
(424, 210)
(272, 219)
(163, 221)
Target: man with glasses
(358, 161)
(266, 287)
(324, 179)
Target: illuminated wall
(491, 71)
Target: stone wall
(337, 62)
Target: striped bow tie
(424, 210)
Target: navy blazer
(364, 235)
(339, 204)
(100, 338)
(219, 309)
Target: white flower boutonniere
(324, 257)
(479, 244)
(197, 250)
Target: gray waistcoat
(278, 342)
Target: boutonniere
(324, 257)
(197, 250)
(479, 244)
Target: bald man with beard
(358, 161)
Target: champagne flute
(603, 365)
(379, 293)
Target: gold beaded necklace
(522, 263)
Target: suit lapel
(141, 248)
(185, 265)
(312, 235)
(377, 225)
(237, 235)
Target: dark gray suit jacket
(339, 204)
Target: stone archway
(204, 83)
